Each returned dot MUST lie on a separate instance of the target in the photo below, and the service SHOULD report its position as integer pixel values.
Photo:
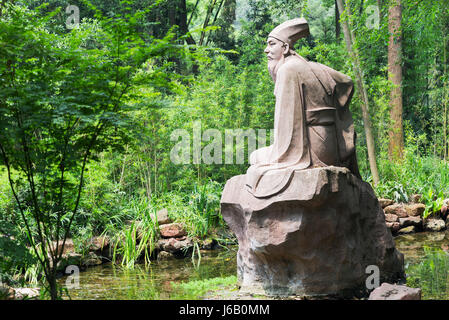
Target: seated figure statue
(313, 125)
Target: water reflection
(109, 281)
(426, 258)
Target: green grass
(197, 289)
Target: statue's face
(275, 52)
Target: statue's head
(281, 41)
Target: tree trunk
(396, 146)
(363, 94)
(445, 99)
(337, 23)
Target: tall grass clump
(135, 238)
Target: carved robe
(312, 126)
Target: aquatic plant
(138, 238)
(431, 274)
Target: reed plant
(136, 239)
(431, 274)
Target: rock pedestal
(315, 238)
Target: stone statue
(312, 122)
(305, 221)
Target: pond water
(426, 262)
(111, 281)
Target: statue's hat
(290, 31)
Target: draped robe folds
(312, 126)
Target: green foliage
(62, 100)
(431, 275)
(434, 202)
(416, 173)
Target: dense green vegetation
(87, 114)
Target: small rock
(393, 226)
(396, 209)
(208, 244)
(172, 230)
(6, 292)
(444, 212)
(69, 246)
(91, 260)
(385, 202)
(98, 244)
(416, 198)
(434, 225)
(415, 210)
(407, 230)
(410, 221)
(164, 255)
(68, 260)
(391, 217)
(26, 293)
(162, 217)
(395, 292)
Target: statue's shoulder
(294, 65)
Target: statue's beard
(274, 65)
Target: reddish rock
(391, 217)
(444, 211)
(397, 209)
(395, 292)
(415, 210)
(301, 241)
(175, 245)
(385, 202)
(172, 230)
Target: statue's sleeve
(343, 92)
(344, 87)
(289, 117)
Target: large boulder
(395, 292)
(315, 238)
